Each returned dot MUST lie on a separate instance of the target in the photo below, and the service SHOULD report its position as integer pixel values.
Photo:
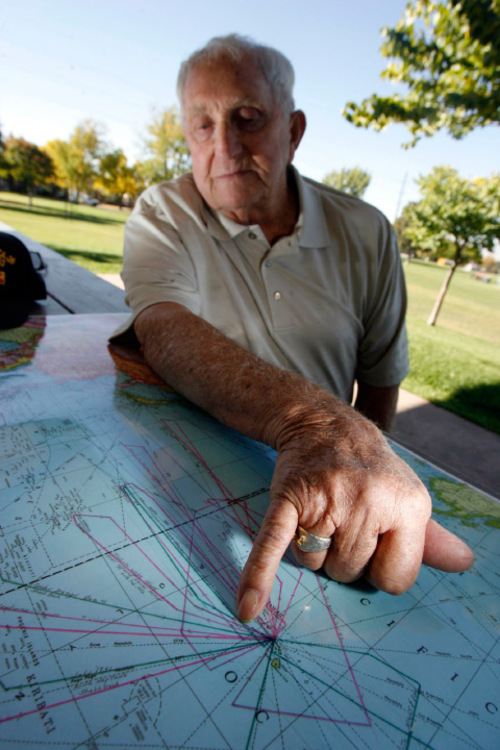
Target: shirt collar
(313, 231)
(231, 228)
(311, 225)
(217, 224)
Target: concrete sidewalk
(452, 443)
(456, 445)
(113, 278)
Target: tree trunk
(440, 298)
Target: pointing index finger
(257, 578)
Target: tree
(405, 245)
(489, 263)
(447, 55)
(166, 147)
(2, 150)
(353, 181)
(64, 163)
(116, 179)
(25, 163)
(456, 218)
(77, 160)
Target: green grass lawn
(92, 237)
(455, 363)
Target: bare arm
(378, 404)
(335, 473)
(229, 382)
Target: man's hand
(335, 472)
(343, 481)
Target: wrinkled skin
(335, 472)
(363, 494)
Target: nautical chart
(126, 517)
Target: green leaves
(445, 55)
(353, 181)
(77, 160)
(26, 163)
(455, 218)
(166, 148)
(85, 162)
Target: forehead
(224, 84)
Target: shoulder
(174, 200)
(344, 221)
(344, 205)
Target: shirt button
(277, 295)
(252, 235)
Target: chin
(236, 200)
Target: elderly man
(262, 297)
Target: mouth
(234, 174)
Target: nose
(228, 141)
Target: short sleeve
(156, 266)
(383, 351)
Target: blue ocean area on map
(126, 516)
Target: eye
(200, 128)
(249, 119)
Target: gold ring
(308, 542)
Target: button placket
(275, 282)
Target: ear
(297, 125)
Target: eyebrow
(201, 108)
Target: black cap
(20, 284)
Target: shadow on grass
(480, 404)
(90, 257)
(69, 211)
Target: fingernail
(249, 602)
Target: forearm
(234, 385)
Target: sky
(62, 62)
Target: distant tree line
(88, 165)
(456, 218)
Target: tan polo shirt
(327, 302)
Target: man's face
(240, 141)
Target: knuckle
(271, 538)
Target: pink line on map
(126, 683)
(200, 548)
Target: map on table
(126, 516)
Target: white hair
(276, 68)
